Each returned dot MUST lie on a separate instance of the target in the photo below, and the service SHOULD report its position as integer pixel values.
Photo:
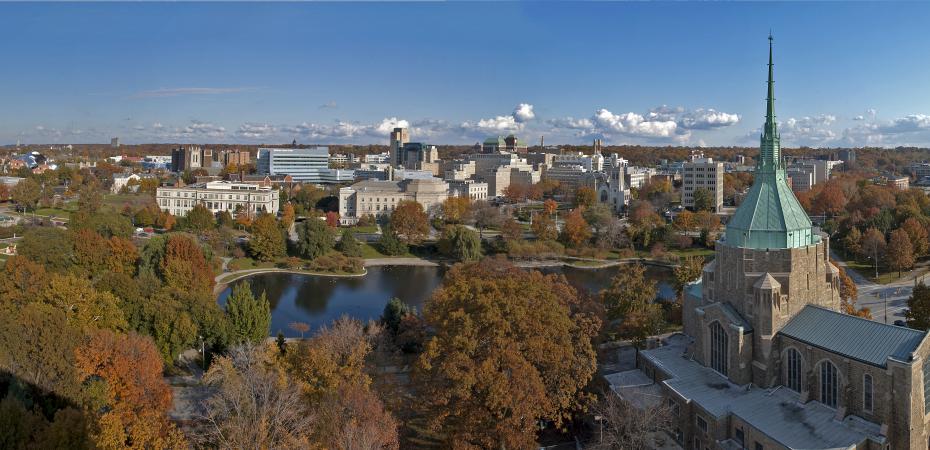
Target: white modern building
(591, 163)
(702, 173)
(304, 165)
(472, 189)
(636, 177)
(218, 196)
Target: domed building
(767, 360)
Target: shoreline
(223, 280)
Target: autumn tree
(456, 209)
(249, 317)
(628, 426)
(830, 201)
(917, 313)
(899, 252)
(511, 230)
(83, 305)
(267, 240)
(410, 222)
(314, 238)
(544, 228)
(629, 302)
(254, 404)
(26, 194)
(288, 215)
(353, 417)
(460, 243)
(849, 292)
(852, 242)
(597, 216)
(585, 197)
(50, 247)
(135, 398)
(687, 270)
(332, 359)
(21, 280)
(917, 233)
(873, 244)
(575, 232)
(516, 192)
(507, 352)
(550, 206)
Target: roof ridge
(916, 331)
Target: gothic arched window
(718, 348)
(793, 370)
(829, 387)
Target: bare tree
(253, 405)
(627, 426)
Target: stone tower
(769, 264)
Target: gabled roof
(854, 337)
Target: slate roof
(854, 337)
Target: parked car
(900, 323)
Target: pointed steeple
(770, 149)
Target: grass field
(118, 201)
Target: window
(828, 384)
(701, 424)
(739, 437)
(793, 368)
(718, 348)
(926, 370)
(759, 446)
(867, 392)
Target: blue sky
(650, 73)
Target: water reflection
(320, 300)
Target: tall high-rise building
(399, 137)
(702, 173)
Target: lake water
(319, 300)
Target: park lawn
(118, 201)
(370, 251)
(247, 263)
(365, 230)
(56, 212)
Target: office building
(509, 144)
(218, 196)
(399, 137)
(186, 158)
(474, 190)
(702, 173)
(767, 360)
(636, 177)
(591, 163)
(304, 165)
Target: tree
(687, 270)
(703, 200)
(181, 262)
(267, 241)
(848, 294)
(199, 219)
(333, 359)
(21, 280)
(873, 245)
(575, 232)
(917, 313)
(225, 219)
(508, 351)
(390, 244)
(249, 317)
(830, 200)
(852, 242)
(550, 206)
(332, 219)
(353, 417)
(89, 198)
(627, 426)
(585, 197)
(83, 305)
(26, 194)
(394, 313)
(288, 216)
(254, 404)
(456, 209)
(630, 306)
(314, 238)
(135, 398)
(918, 236)
(516, 192)
(511, 230)
(900, 252)
(544, 228)
(597, 216)
(410, 222)
(459, 242)
(299, 327)
(50, 247)
(485, 216)
(349, 245)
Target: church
(766, 359)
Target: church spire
(770, 151)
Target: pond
(318, 301)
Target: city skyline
(455, 74)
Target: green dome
(770, 216)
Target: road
(886, 301)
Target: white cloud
(808, 130)
(859, 117)
(329, 105)
(256, 130)
(523, 113)
(387, 125)
(632, 124)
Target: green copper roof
(770, 216)
(499, 140)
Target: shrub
(337, 263)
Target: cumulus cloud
(809, 130)
(633, 124)
(664, 123)
(523, 113)
(256, 130)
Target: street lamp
(203, 353)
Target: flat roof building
(304, 165)
(218, 196)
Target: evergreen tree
(918, 308)
(349, 245)
(249, 318)
(390, 244)
(314, 238)
(394, 312)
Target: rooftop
(854, 337)
(775, 412)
